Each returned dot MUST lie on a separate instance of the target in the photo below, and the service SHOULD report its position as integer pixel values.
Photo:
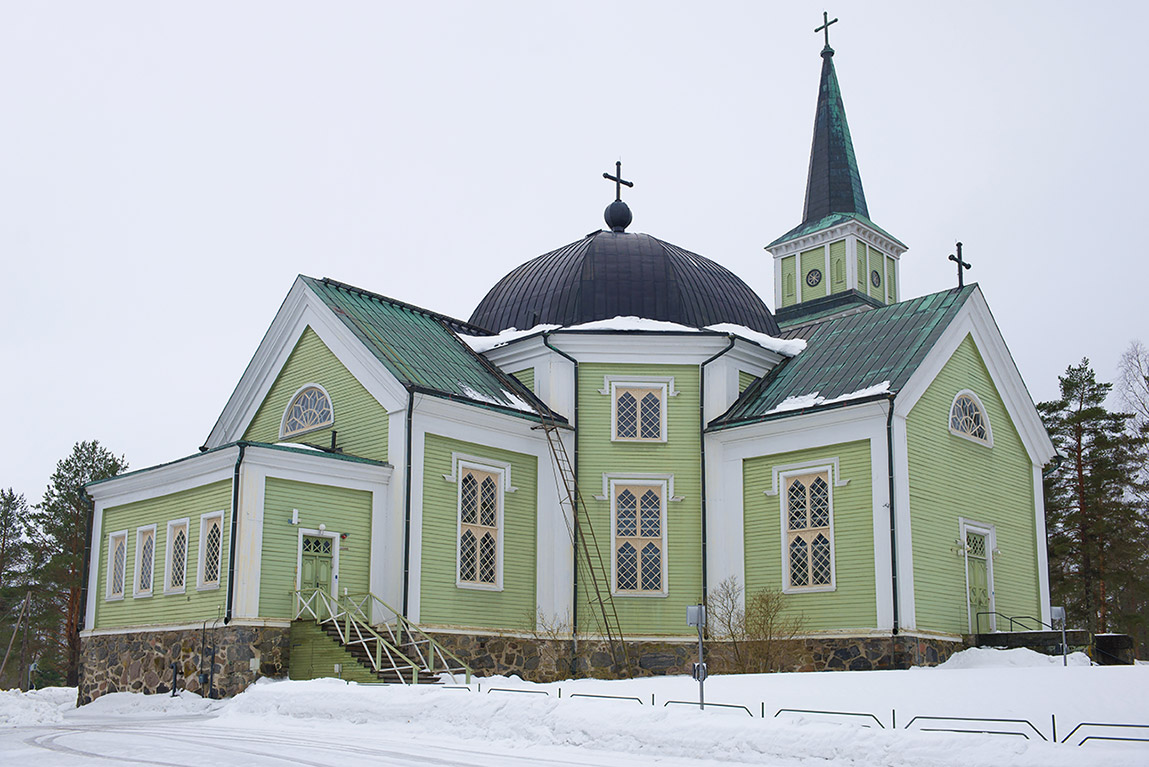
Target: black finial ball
(617, 216)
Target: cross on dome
(618, 180)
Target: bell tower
(837, 261)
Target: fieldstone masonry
(141, 662)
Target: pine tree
(1097, 530)
(60, 525)
(15, 559)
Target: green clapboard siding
(442, 602)
(160, 608)
(645, 615)
(340, 509)
(891, 279)
(745, 380)
(526, 377)
(789, 270)
(952, 477)
(813, 259)
(877, 264)
(359, 418)
(838, 266)
(853, 604)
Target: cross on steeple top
(826, 22)
(618, 180)
(962, 266)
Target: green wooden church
(391, 493)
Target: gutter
(407, 504)
(702, 451)
(893, 523)
(1056, 467)
(574, 509)
(234, 526)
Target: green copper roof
(421, 350)
(850, 354)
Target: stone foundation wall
(141, 661)
(544, 660)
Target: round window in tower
(813, 277)
(876, 279)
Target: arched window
(968, 418)
(310, 409)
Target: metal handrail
(1012, 619)
(405, 633)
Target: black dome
(613, 274)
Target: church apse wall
(667, 465)
(953, 477)
(792, 502)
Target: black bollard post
(175, 676)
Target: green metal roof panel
(849, 354)
(421, 350)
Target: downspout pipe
(702, 451)
(234, 526)
(893, 518)
(407, 504)
(574, 512)
(1056, 467)
(91, 505)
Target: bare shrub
(756, 633)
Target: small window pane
(651, 416)
(119, 556)
(487, 560)
(796, 502)
(627, 418)
(468, 557)
(627, 523)
(211, 552)
(488, 508)
(627, 568)
(820, 561)
(651, 567)
(798, 568)
(819, 503)
(147, 553)
(179, 557)
(651, 515)
(469, 500)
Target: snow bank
(46, 706)
(1019, 657)
(130, 704)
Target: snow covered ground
(886, 718)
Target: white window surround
(663, 384)
(501, 470)
(988, 441)
(663, 493)
(291, 403)
(991, 551)
(830, 469)
(783, 470)
(334, 536)
(632, 478)
(141, 537)
(205, 524)
(118, 537)
(483, 464)
(173, 526)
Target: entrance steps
(1047, 642)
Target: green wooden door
(977, 578)
(316, 570)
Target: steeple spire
(833, 185)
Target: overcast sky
(167, 169)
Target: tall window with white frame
(210, 549)
(145, 559)
(809, 532)
(117, 564)
(480, 506)
(638, 539)
(177, 559)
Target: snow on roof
(801, 402)
(509, 400)
(482, 344)
(788, 347)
